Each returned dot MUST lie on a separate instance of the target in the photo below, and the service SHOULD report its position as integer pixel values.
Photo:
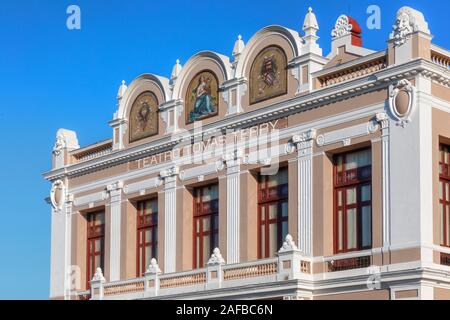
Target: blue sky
(53, 78)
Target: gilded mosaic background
(202, 97)
(268, 76)
(144, 117)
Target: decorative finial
(153, 268)
(122, 89)
(176, 70)
(288, 245)
(342, 27)
(238, 47)
(216, 258)
(310, 22)
(98, 276)
(310, 27)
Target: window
(206, 223)
(147, 234)
(353, 201)
(95, 243)
(444, 194)
(272, 212)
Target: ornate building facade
(280, 173)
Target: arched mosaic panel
(202, 97)
(143, 117)
(268, 75)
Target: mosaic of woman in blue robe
(204, 103)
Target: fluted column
(383, 120)
(115, 194)
(303, 143)
(170, 206)
(233, 206)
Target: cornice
(298, 104)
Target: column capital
(168, 173)
(115, 186)
(301, 141)
(232, 159)
(383, 119)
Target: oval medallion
(402, 103)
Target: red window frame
(357, 178)
(204, 211)
(444, 193)
(95, 232)
(147, 222)
(267, 197)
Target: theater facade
(277, 173)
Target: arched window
(268, 75)
(144, 117)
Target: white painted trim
(91, 198)
(395, 289)
(170, 223)
(141, 186)
(115, 236)
(283, 134)
(233, 212)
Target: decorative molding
(347, 142)
(60, 144)
(320, 140)
(216, 258)
(115, 186)
(398, 92)
(171, 172)
(91, 198)
(202, 171)
(288, 245)
(342, 27)
(141, 186)
(383, 119)
(345, 135)
(300, 141)
(58, 186)
(407, 22)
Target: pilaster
(170, 206)
(233, 206)
(303, 143)
(115, 194)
